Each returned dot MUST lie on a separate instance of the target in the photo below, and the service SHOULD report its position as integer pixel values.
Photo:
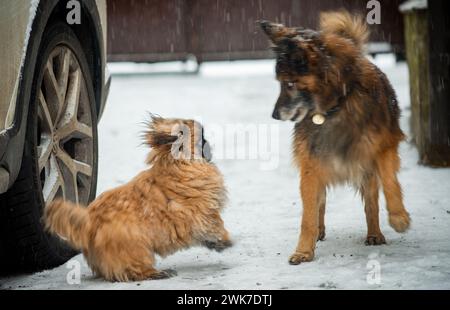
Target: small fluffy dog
(347, 122)
(173, 205)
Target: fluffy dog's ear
(157, 132)
(276, 32)
(160, 138)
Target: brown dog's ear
(160, 138)
(276, 32)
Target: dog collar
(333, 110)
(319, 119)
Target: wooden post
(416, 37)
(437, 152)
(427, 35)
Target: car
(53, 90)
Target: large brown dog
(347, 122)
(173, 205)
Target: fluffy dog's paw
(163, 274)
(399, 221)
(375, 240)
(171, 272)
(301, 257)
(219, 245)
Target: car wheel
(60, 152)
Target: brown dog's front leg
(388, 166)
(369, 192)
(322, 207)
(312, 192)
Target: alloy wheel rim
(65, 136)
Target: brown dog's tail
(346, 25)
(70, 221)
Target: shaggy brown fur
(325, 72)
(173, 205)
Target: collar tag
(318, 119)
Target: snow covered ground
(264, 212)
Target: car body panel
(15, 19)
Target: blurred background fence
(165, 30)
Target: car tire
(60, 153)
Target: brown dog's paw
(219, 245)
(375, 240)
(298, 258)
(400, 221)
(321, 236)
(164, 274)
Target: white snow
(264, 211)
(31, 15)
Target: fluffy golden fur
(173, 205)
(325, 73)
